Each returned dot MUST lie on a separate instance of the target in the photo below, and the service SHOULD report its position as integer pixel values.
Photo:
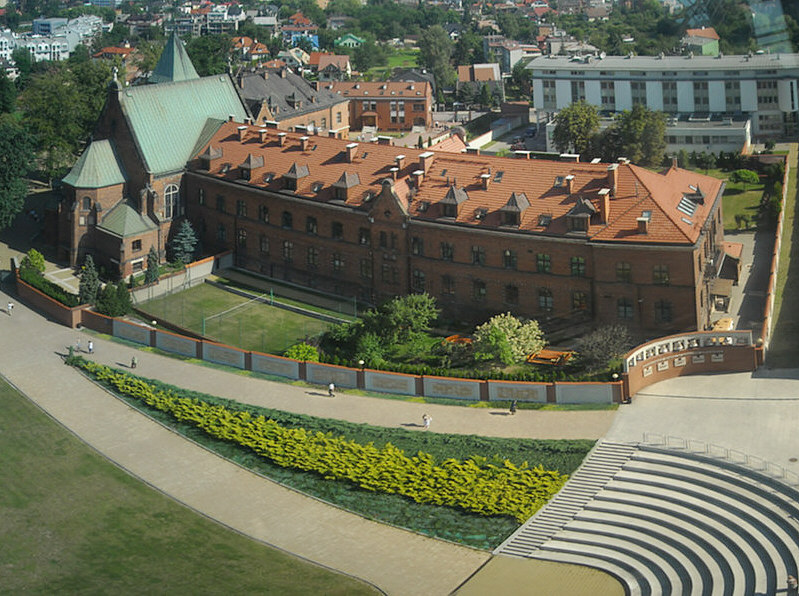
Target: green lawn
(739, 199)
(401, 58)
(255, 326)
(72, 522)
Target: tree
(303, 352)
(403, 318)
(17, 157)
(209, 53)
(706, 161)
(575, 126)
(435, 52)
(597, 349)
(89, 282)
(745, 177)
(683, 160)
(114, 300)
(184, 243)
(33, 260)
(508, 339)
(8, 94)
(641, 133)
(151, 275)
(485, 96)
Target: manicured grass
(448, 523)
(255, 326)
(401, 58)
(739, 199)
(72, 522)
(784, 344)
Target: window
(241, 208)
(543, 263)
(450, 211)
(364, 237)
(478, 255)
(263, 213)
(663, 311)
(338, 262)
(418, 281)
(624, 272)
(241, 237)
(220, 203)
(417, 246)
(310, 225)
(201, 196)
(86, 204)
(578, 266)
(338, 117)
(579, 301)
(510, 218)
(385, 273)
(137, 265)
(624, 309)
(478, 290)
(447, 285)
(447, 251)
(264, 244)
(312, 258)
(287, 220)
(545, 299)
(366, 269)
(170, 201)
(336, 230)
(660, 275)
(221, 233)
(136, 246)
(512, 294)
(509, 259)
(383, 240)
(288, 251)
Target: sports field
(234, 320)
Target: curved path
(395, 560)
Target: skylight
(545, 219)
(499, 175)
(686, 206)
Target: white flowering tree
(508, 339)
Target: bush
(34, 278)
(33, 260)
(303, 352)
(114, 300)
(508, 339)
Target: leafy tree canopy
(575, 126)
(638, 134)
(601, 346)
(508, 339)
(435, 52)
(209, 53)
(33, 260)
(16, 159)
(303, 352)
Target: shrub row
(473, 485)
(56, 292)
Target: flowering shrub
(474, 484)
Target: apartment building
(387, 105)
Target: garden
(468, 489)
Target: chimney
(230, 117)
(400, 161)
(281, 139)
(418, 175)
(473, 150)
(522, 154)
(352, 149)
(270, 123)
(426, 160)
(613, 177)
(283, 72)
(394, 171)
(248, 120)
(486, 178)
(570, 183)
(266, 75)
(304, 142)
(384, 140)
(674, 163)
(643, 225)
(262, 135)
(604, 205)
(242, 131)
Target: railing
(734, 456)
(686, 341)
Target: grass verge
(74, 523)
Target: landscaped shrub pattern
(53, 290)
(474, 484)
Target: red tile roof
(733, 249)
(708, 32)
(452, 144)
(363, 89)
(544, 183)
(339, 61)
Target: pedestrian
(91, 347)
(331, 389)
(793, 586)
(426, 420)
(513, 406)
(133, 362)
(77, 345)
(10, 307)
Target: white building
(762, 87)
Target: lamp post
(361, 363)
(361, 375)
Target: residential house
(334, 67)
(472, 78)
(348, 40)
(295, 58)
(703, 41)
(387, 105)
(414, 75)
(300, 27)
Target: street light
(361, 363)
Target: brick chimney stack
(304, 143)
(604, 205)
(262, 135)
(570, 183)
(352, 150)
(242, 131)
(486, 178)
(281, 139)
(613, 178)
(400, 161)
(426, 160)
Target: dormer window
(510, 219)
(294, 175)
(251, 163)
(342, 186)
(452, 201)
(450, 210)
(208, 156)
(513, 209)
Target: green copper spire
(174, 64)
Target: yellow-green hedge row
(474, 485)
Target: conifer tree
(89, 282)
(151, 275)
(184, 243)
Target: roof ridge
(634, 170)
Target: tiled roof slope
(166, 119)
(544, 183)
(97, 167)
(277, 86)
(124, 220)
(364, 89)
(174, 63)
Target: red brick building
(389, 105)
(562, 242)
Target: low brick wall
(71, 317)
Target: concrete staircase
(668, 522)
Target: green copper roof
(167, 119)
(97, 167)
(174, 63)
(124, 221)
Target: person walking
(90, 346)
(331, 389)
(793, 586)
(513, 406)
(10, 307)
(426, 420)
(133, 362)
(77, 346)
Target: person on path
(331, 389)
(10, 307)
(91, 347)
(513, 406)
(793, 586)
(426, 419)
(77, 345)
(133, 362)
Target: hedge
(54, 291)
(474, 485)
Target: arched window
(170, 201)
(87, 204)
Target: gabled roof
(297, 172)
(167, 119)
(377, 89)
(347, 180)
(707, 32)
(97, 167)
(338, 61)
(516, 203)
(174, 63)
(455, 196)
(124, 221)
